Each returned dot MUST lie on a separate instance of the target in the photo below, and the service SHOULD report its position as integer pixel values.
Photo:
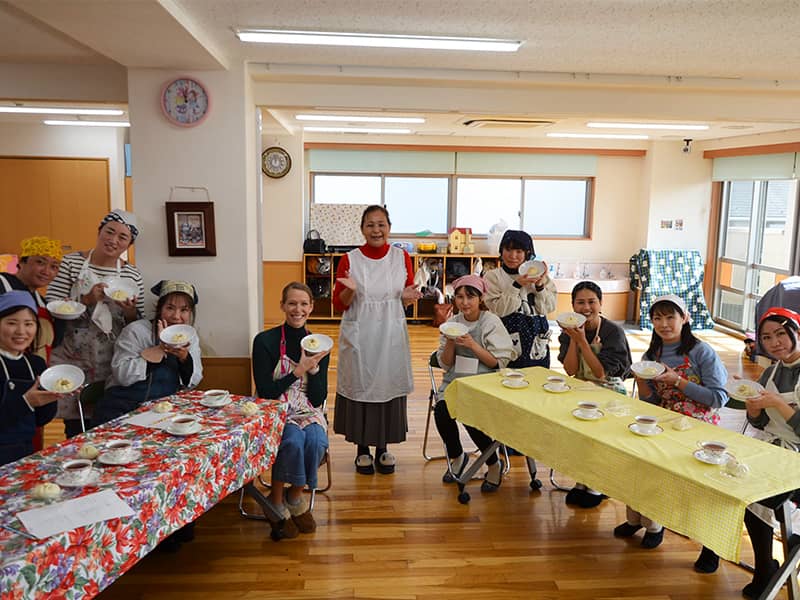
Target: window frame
(452, 199)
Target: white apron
(374, 355)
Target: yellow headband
(41, 246)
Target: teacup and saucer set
(514, 379)
(645, 425)
(216, 398)
(119, 452)
(77, 472)
(182, 425)
(556, 385)
(587, 411)
(712, 452)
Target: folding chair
(88, 398)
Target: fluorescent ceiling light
(600, 136)
(670, 126)
(356, 130)
(90, 123)
(359, 119)
(43, 110)
(376, 40)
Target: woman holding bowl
(373, 285)
(23, 406)
(88, 342)
(143, 366)
(775, 412)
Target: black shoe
(589, 500)
(755, 588)
(572, 496)
(653, 540)
(169, 545)
(365, 469)
(185, 534)
(707, 562)
(487, 487)
(449, 477)
(626, 530)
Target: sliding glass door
(758, 228)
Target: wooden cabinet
(319, 273)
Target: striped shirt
(70, 269)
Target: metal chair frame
(89, 395)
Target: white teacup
(183, 423)
(216, 396)
(77, 470)
(514, 376)
(646, 423)
(120, 449)
(557, 383)
(587, 408)
(713, 448)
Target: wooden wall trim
(710, 274)
(498, 149)
(753, 150)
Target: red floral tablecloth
(176, 480)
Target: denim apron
(11, 452)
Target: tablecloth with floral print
(176, 480)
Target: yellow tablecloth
(656, 475)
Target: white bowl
(647, 369)
(453, 330)
(315, 343)
(68, 310)
(570, 320)
(120, 290)
(62, 379)
(532, 268)
(743, 389)
(178, 335)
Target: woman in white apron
(776, 414)
(373, 284)
(282, 370)
(597, 351)
(88, 342)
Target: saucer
(579, 414)
(702, 456)
(634, 427)
(207, 402)
(555, 389)
(107, 458)
(64, 481)
(182, 432)
(515, 383)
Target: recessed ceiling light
(671, 126)
(359, 119)
(356, 130)
(44, 110)
(90, 123)
(600, 136)
(376, 40)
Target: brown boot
(280, 520)
(302, 517)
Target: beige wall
(283, 205)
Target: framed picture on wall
(190, 229)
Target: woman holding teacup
(144, 367)
(596, 351)
(775, 412)
(485, 347)
(283, 370)
(23, 406)
(88, 342)
(692, 384)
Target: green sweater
(266, 355)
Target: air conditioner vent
(506, 123)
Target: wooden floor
(405, 536)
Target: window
(545, 207)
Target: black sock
(362, 450)
(379, 452)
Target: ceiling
(745, 46)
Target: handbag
(314, 244)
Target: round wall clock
(185, 101)
(275, 162)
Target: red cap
(777, 311)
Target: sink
(609, 286)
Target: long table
(656, 475)
(176, 480)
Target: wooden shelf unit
(450, 267)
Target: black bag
(314, 244)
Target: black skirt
(371, 423)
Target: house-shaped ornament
(460, 241)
